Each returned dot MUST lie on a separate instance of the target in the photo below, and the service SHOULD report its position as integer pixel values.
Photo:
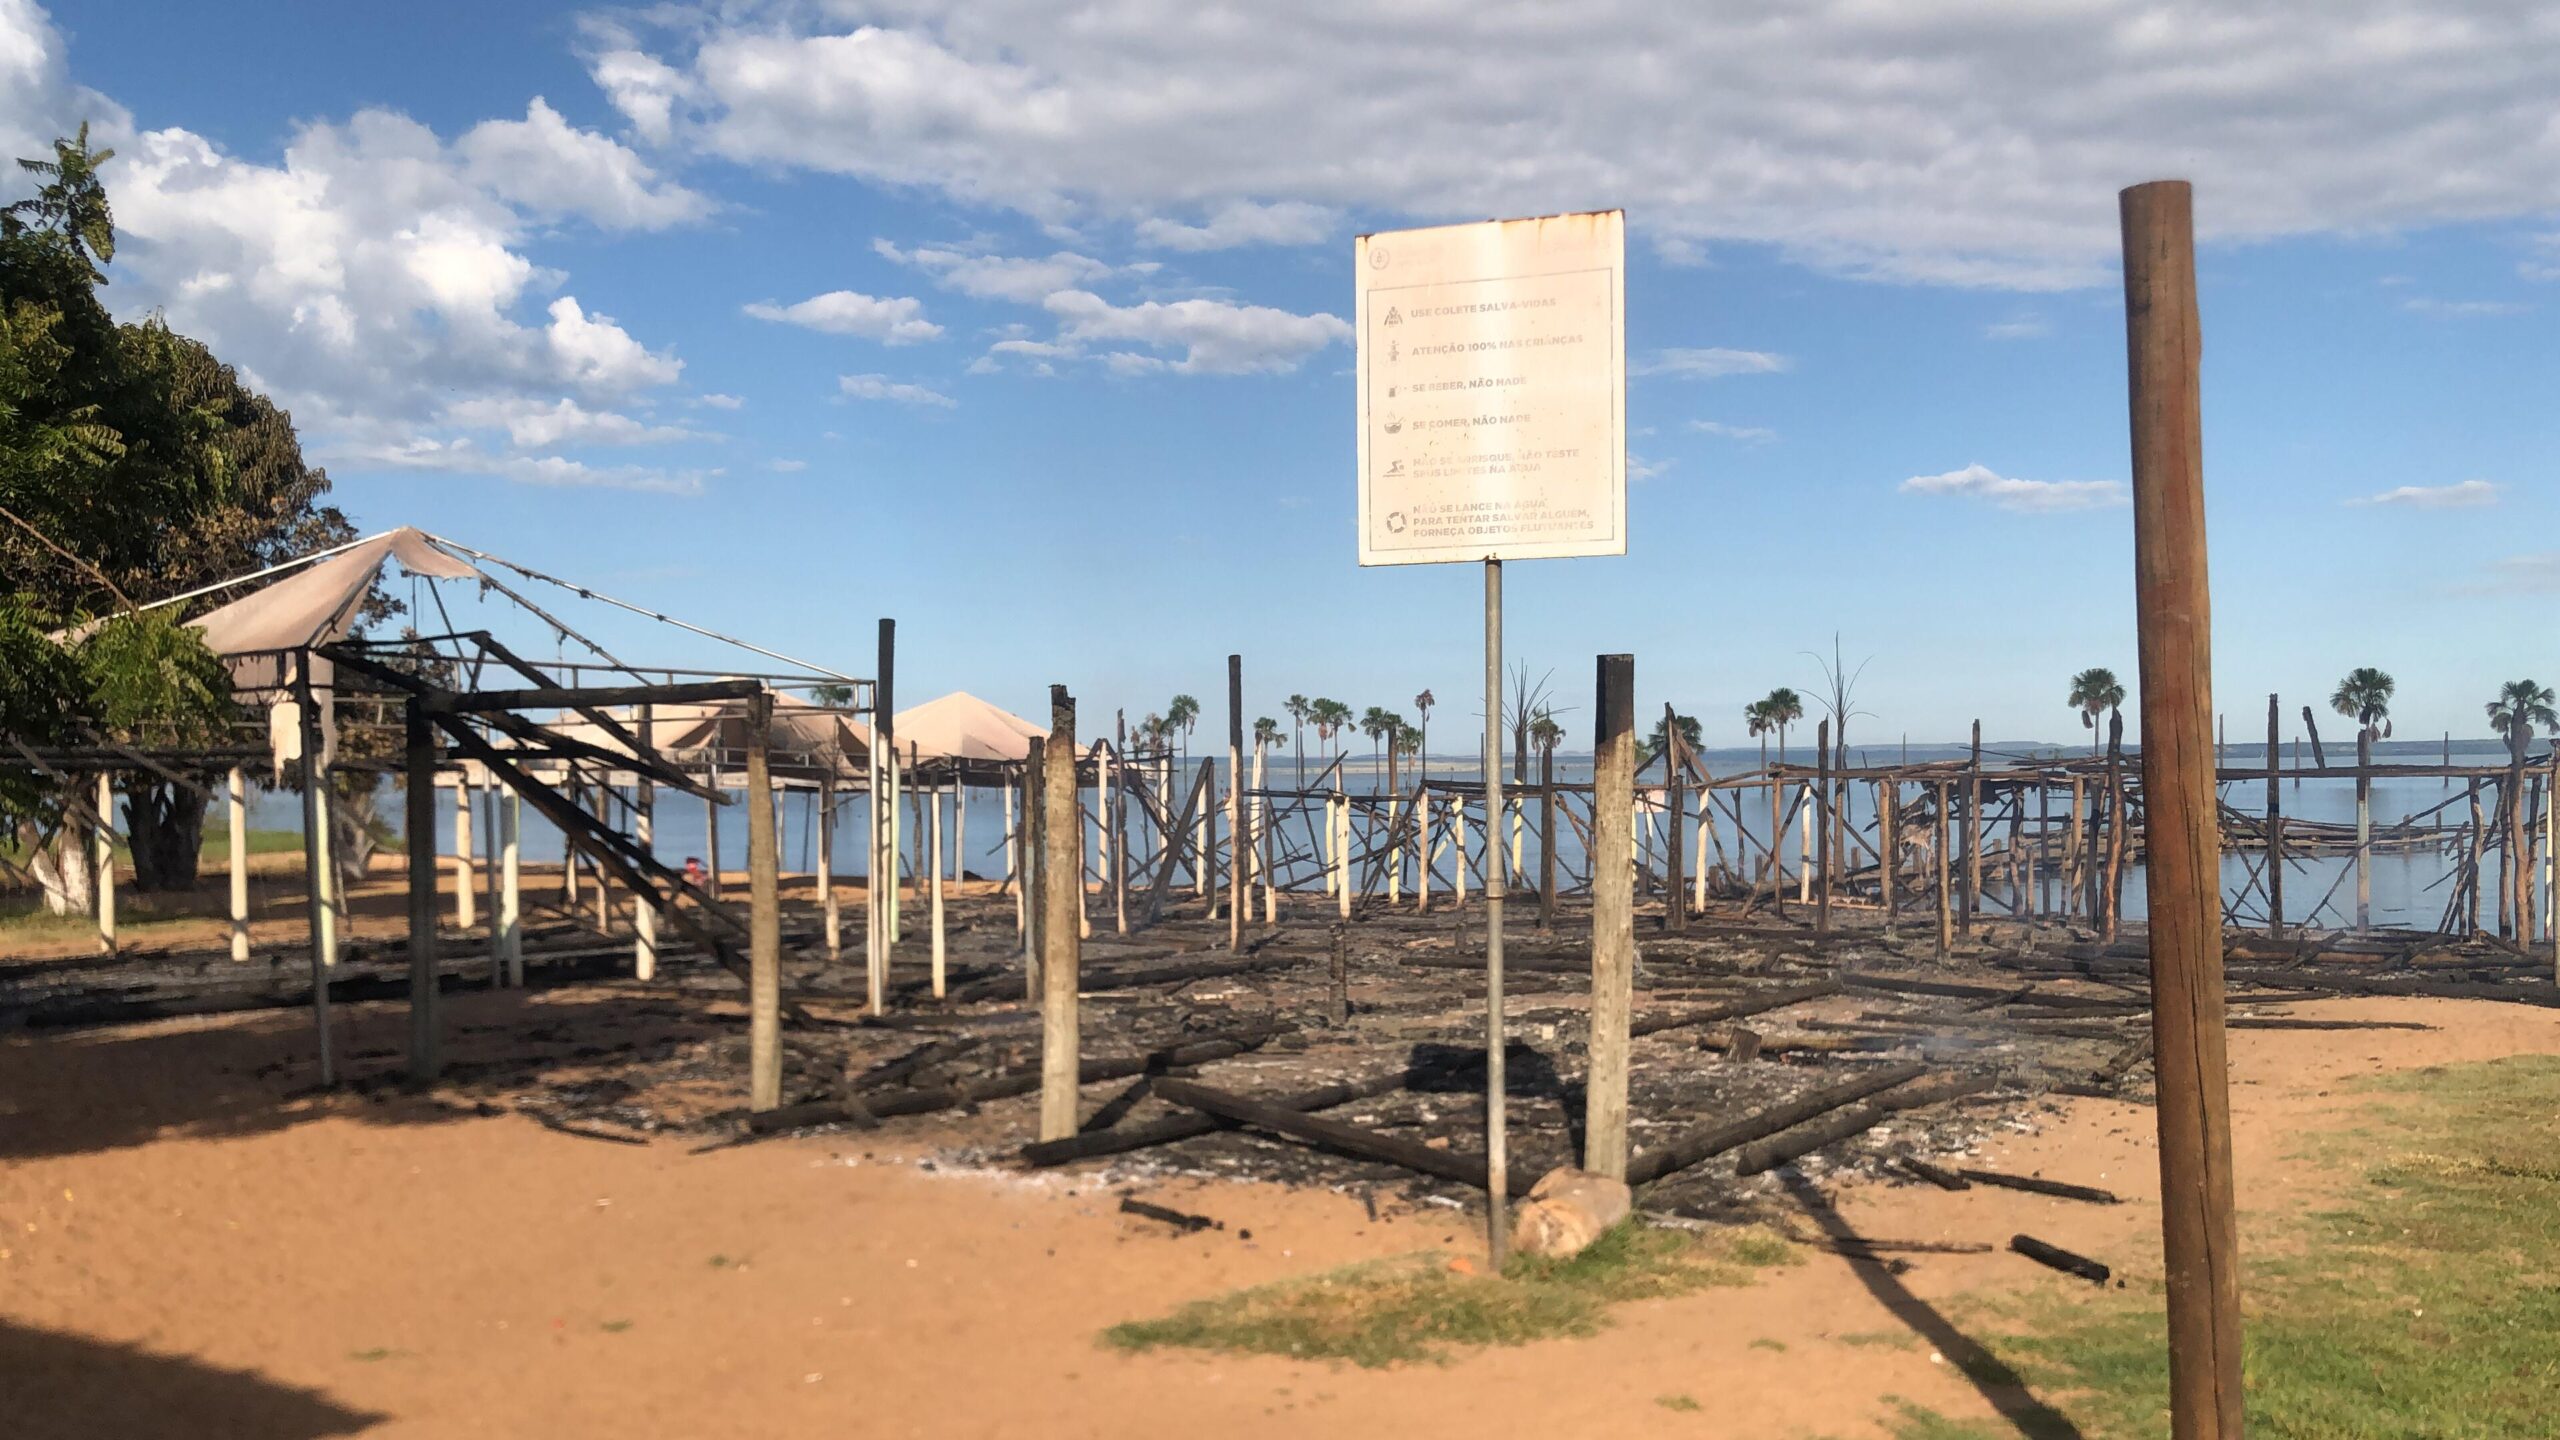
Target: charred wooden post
(644, 823)
(1547, 837)
(315, 857)
(2180, 829)
(510, 820)
(1239, 874)
(1946, 917)
(2364, 828)
(1972, 898)
(1035, 862)
(830, 919)
(711, 831)
(764, 914)
(1822, 787)
(1675, 905)
(934, 903)
(2479, 835)
(419, 763)
(1338, 1006)
(2275, 826)
(1115, 821)
(1889, 864)
(1613, 919)
(1061, 905)
(884, 743)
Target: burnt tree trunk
(164, 825)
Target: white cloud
(1217, 337)
(533, 424)
(1713, 362)
(1640, 469)
(2462, 309)
(786, 467)
(718, 401)
(2025, 327)
(2038, 497)
(2536, 574)
(548, 167)
(1950, 144)
(998, 277)
(1242, 222)
(2467, 495)
(463, 457)
(2544, 262)
(1748, 434)
(893, 321)
(881, 387)
(374, 278)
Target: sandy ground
(188, 1249)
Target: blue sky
(1050, 366)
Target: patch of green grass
(1417, 1307)
(721, 1262)
(2425, 1304)
(1895, 1339)
(1765, 1343)
(614, 1327)
(1685, 1404)
(376, 1353)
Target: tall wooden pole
(1889, 842)
(1239, 899)
(1035, 860)
(830, 915)
(2174, 610)
(1946, 916)
(764, 913)
(884, 804)
(511, 886)
(466, 868)
(1546, 838)
(1061, 907)
(2364, 828)
(1613, 916)
(425, 1063)
(644, 822)
(934, 902)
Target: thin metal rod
(1497, 1158)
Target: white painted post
(466, 865)
(1342, 854)
(644, 916)
(103, 855)
(1804, 852)
(1458, 848)
(1395, 856)
(1013, 872)
(511, 887)
(236, 812)
(936, 902)
(1429, 838)
(897, 840)
(1519, 835)
(827, 866)
(959, 828)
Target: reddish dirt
(188, 1250)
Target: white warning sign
(1493, 390)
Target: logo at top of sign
(1377, 257)
(1392, 317)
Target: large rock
(1567, 1210)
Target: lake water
(2410, 887)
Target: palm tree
(1378, 724)
(1544, 732)
(2521, 705)
(835, 696)
(2095, 692)
(1331, 718)
(1299, 707)
(1181, 713)
(1660, 740)
(2365, 697)
(1422, 704)
(1786, 707)
(1266, 732)
(1755, 716)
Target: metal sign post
(1492, 405)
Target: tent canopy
(960, 726)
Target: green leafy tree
(1330, 717)
(1422, 704)
(1545, 732)
(1299, 708)
(1755, 717)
